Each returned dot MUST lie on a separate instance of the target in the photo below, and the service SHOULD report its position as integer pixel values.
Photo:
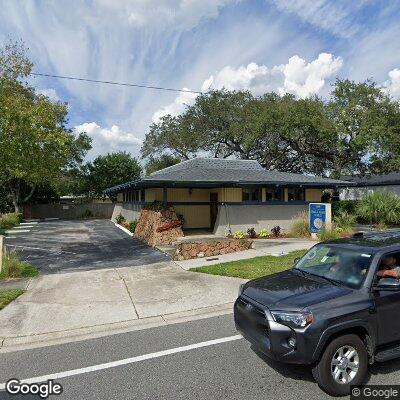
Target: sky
(289, 46)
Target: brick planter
(188, 250)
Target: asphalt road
(229, 370)
(79, 245)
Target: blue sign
(317, 212)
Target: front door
(213, 209)
(388, 311)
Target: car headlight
(293, 319)
(241, 288)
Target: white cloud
(337, 17)
(297, 77)
(50, 93)
(180, 14)
(106, 140)
(392, 85)
(177, 107)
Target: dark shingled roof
(226, 172)
(393, 178)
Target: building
(224, 195)
(372, 183)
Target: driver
(388, 268)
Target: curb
(17, 343)
(123, 229)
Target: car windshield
(339, 265)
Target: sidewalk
(83, 304)
(259, 248)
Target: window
(250, 194)
(296, 194)
(273, 194)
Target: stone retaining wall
(187, 250)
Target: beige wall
(313, 195)
(178, 194)
(195, 216)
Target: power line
(74, 78)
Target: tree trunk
(15, 189)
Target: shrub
(349, 206)
(7, 221)
(156, 205)
(345, 220)
(276, 230)
(132, 226)
(181, 219)
(300, 225)
(263, 233)
(15, 268)
(251, 232)
(239, 235)
(379, 207)
(329, 234)
(119, 219)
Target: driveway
(59, 246)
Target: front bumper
(256, 324)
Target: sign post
(319, 217)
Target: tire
(350, 368)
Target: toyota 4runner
(330, 311)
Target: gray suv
(337, 310)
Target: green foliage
(276, 231)
(348, 206)
(239, 235)
(344, 220)
(38, 145)
(165, 160)
(330, 234)
(106, 171)
(8, 296)
(9, 220)
(380, 207)
(132, 226)
(300, 226)
(15, 268)
(253, 267)
(251, 233)
(356, 130)
(119, 219)
(264, 233)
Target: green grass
(8, 296)
(252, 267)
(14, 268)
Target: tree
(109, 170)
(37, 147)
(165, 160)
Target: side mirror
(388, 284)
(296, 260)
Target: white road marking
(131, 360)
(42, 249)
(23, 227)
(18, 231)
(29, 223)
(10, 237)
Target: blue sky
(296, 46)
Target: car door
(387, 305)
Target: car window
(389, 266)
(343, 265)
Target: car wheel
(343, 363)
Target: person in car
(388, 268)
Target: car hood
(290, 290)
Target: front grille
(251, 317)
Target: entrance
(213, 209)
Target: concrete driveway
(79, 245)
(71, 304)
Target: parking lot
(58, 246)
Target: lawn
(252, 267)
(8, 296)
(14, 268)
